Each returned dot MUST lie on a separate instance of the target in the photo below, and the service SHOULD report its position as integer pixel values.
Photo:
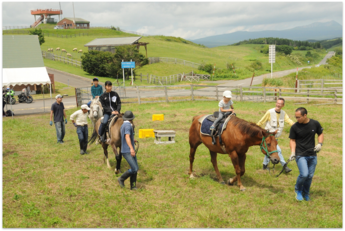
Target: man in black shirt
(303, 149)
(111, 104)
(58, 110)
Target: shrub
(40, 35)
(206, 67)
(284, 49)
(308, 54)
(107, 64)
(272, 82)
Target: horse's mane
(246, 127)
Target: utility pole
(74, 16)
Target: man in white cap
(58, 109)
(225, 105)
(79, 120)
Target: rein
(263, 146)
(289, 161)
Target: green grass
(333, 70)
(60, 88)
(51, 185)
(159, 46)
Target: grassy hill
(244, 57)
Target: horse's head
(268, 146)
(95, 111)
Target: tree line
(301, 45)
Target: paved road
(39, 106)
(78, 81)
(69, 79)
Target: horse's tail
(94, 136)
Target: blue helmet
(8, 88)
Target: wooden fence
(63, 59)
(327, 84)
(175, 93)
(173, 60)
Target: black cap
(95, 79)
(128, 115)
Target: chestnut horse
(237, 137)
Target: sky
(189, 20)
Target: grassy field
(51, 185)
(60, 88)
(164, 46)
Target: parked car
(58, 27)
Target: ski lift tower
(45, 16)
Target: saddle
(111, 121)
(208, 120)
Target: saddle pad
(205, 127)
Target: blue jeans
(106, 118)
(282, 161)
(89, 103)
(60, 130)
(132, 161)
(83, 133)
(306, 166)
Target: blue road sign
(127, 64)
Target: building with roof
(23, 63)
(74, 23)
(110, 44)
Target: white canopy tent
(26, 76)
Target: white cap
(84, 106)
(58, 96)
(227, 94)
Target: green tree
(39, 33)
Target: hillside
(245, 57)
(316, 31)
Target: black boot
(133, 180)
(101, 132)
(264, 166)
(85, 147)
(287, 170)
(123, 177)
(81, 144)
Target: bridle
(263, 146)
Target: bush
(206, 67)
(308, 54)
(40, 35)
(272, 82)
(256, 65)
(284, 49)
(264, 50)
(107, 64)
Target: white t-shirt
(224, 105)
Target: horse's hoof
(222, 182)
(117, 171)
(191, 176)
(229, 183)
(243, 189)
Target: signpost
(127, 65)
(272, 56)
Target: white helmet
(227, 94)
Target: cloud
(189, 20)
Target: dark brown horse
(237, 137)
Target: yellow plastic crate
(157, 117)
(144, 133)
